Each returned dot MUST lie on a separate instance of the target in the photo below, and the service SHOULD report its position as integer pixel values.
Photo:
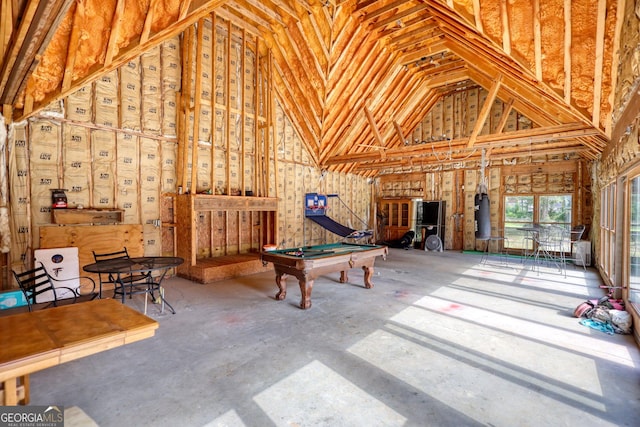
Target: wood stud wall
(456, 182)
(118, 143)
(111, 144)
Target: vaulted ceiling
(356, 77)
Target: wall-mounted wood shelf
(87, 216)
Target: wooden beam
(484, 112)
(212, 126)
(374, 127)
(537, 40)
(615, 62)
(243, 114)
(399, 15)
(257, 176)
(567, 51)
(408, 32)
(146, 28)
(506, 30)
(477, 16)
(6, 25)
(187, 66)
(72, 47)
(384, 9)
(599, 62)
(132, 51)
(184, 9)
(38, 24)
(514, 138)
(227, 101)
(505, 115)
(399, 132)
(116, 25)
(197, 99)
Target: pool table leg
(306, 286)
(368, 272)
(344, 278)
(281, 281)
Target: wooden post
(214, 38)
(198, 105)
(273, 129)
(186, 102)
(228, 105)
(256, 96)
(269, 124)
(243, 111)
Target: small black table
(119, 266)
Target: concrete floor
(441, 340)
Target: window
(608, 232)
(524, 211)
(518, 213)
(634, 243)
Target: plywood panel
(98, 238)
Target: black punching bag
(483, 220)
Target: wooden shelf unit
(87, 216)
(243, 258)
(400, 217)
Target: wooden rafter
(116, 25)
(537, 40)
(506, 29)
(567, 51)
(333, 59)
(37, 27)
(599, 62)
(527, 136)
(484, 112)
(72, 49)
(191, 15)
(398, 16)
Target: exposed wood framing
(74, 39)
(185, 108)
(227, 101)
(484, 112)
(243, 112)
(214, 73)
(537, 39)
(31, 40)
(116, 25)
(331, 59)
(567, 51)
(599, 58)
(197, 100)
(506, 30)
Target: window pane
(555, 209)
(518, 213)
(518, 209)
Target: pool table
(309, 262)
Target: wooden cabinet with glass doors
(396, 217)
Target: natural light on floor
(476, 345)
(329, 399)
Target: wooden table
(309, 262)
(37, 340)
